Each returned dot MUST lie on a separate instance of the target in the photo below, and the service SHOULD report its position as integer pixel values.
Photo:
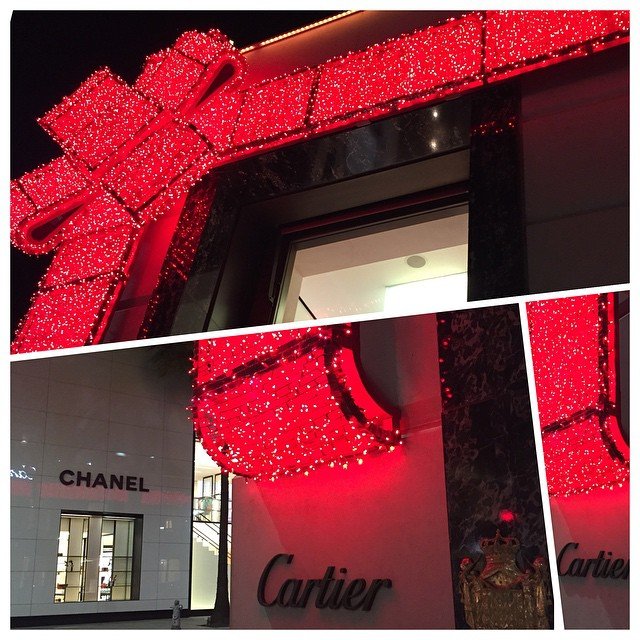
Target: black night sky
(52, 52)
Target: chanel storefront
(101, 486)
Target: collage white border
(520, 300)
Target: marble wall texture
(497, 245)
(490, 458)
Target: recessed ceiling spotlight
(416, 262)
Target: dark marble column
(178, 263)
(490, 458)
(497, 239)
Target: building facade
(108, 444)
(581, 368)
(97, 439)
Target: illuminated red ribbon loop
(288, 402)
(117, 137)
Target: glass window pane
(206, 530)
(83, 575)
(124, 539)
(355, 272)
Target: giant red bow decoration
(287, 402)
(120, 142)
(132, 153)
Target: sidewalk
(195, 622)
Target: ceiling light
(417, 262)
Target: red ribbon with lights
(278, 404)
(131, 153)
(573, 343)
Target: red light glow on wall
(287, 402)
(135, 151)
(573, 342)
(506, 515)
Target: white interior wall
(205, 578)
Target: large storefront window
(414, 264)
(326, 227)
(207, 497)
(98, 558)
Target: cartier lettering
(604, 565)
(332, 591)
(79, 479)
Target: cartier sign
(604, 565)
(331, 591)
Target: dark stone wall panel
(489, 450)
(497, 238)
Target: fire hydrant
(175, 616)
